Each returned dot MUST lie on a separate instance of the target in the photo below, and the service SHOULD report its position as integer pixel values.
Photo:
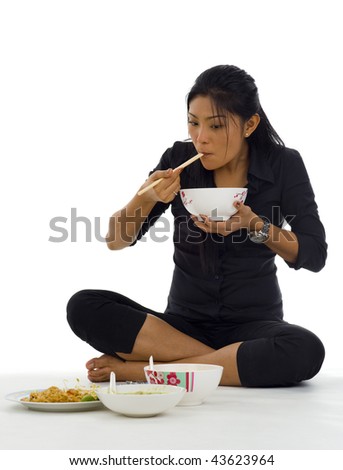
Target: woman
(225, 305)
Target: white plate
(72, 406)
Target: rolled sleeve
(301, 212)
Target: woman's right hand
(165, 190)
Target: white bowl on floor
(140, 400)
(200, 380)
(216, 203)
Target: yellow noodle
(57, 395)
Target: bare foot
(99, 368)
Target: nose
(202, 135)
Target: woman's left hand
(243, 219)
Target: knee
(310, 356)
(299, 355)
(303, 354)
(77, 308)
(293, 355)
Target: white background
(92, 93)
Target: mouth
(206, 155)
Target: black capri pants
(273, 353)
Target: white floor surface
(306, 417)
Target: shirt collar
(259, 166)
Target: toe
(90, 365)
(97, 362)
(100, 375)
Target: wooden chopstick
(183, 165)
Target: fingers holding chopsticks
(146, 187)
(163, 185)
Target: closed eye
(213, 126)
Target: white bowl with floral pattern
(216, 203)
(199, 380)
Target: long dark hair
(233, 90)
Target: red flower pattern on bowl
(156, 377)
(172, 379)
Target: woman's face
(220, 138)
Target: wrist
(260, 234)
(256, 224)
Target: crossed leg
(166, 344)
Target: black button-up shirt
(230, 278)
